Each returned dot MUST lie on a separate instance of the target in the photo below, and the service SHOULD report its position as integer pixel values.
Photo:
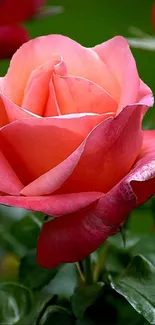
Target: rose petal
(44, 143)
(109, 153)
(11, 112)
(143, 175)
(52, 205)
(116, 54)
(3, 115)
(77, 95)
(145, 95)
(51, 108)
(9, 182)
(37, 89)
(71, 238)
(53, 179)
(80, 61)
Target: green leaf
(27, 230)
(137, 285)
(85, 321)
(141, 220)
(146, 247)
(56, 315)
(16, 303)
(31, 274)
(85, 297)
(117, 242)
(64, 283)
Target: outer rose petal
(36, 153)
(71, 238)
(145, 95)
(109, 153)
(77, 95)
(11, 112)
(53, 205)
(3, 115)
(9, 182)
(145, 167)
(54, 178)
(80, 61)
(117, 56)
(11, 38)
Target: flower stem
(88, 270)
(80, 272)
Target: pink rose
(88, 162)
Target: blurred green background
(89, 22)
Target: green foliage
(85, 297)
(137, 285)
(31, 274)
(16, 302)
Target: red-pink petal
(110, 151)
(52, 205)
(3, 115)
(54, 178)
(116, 54)
(44, 142)
(9, 182)
(145, 95)
(11, 112)
(71, 238)
(143, 178)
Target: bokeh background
(89, 22)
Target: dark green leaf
(27, 230)
(141, 220)
(146, 247)
(137, 285)
(64, 283)
(117, 242)
(85, 321)
(31, 274)
(56, 315)
(85, 297)
(16, 303)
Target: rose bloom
(72, 144)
